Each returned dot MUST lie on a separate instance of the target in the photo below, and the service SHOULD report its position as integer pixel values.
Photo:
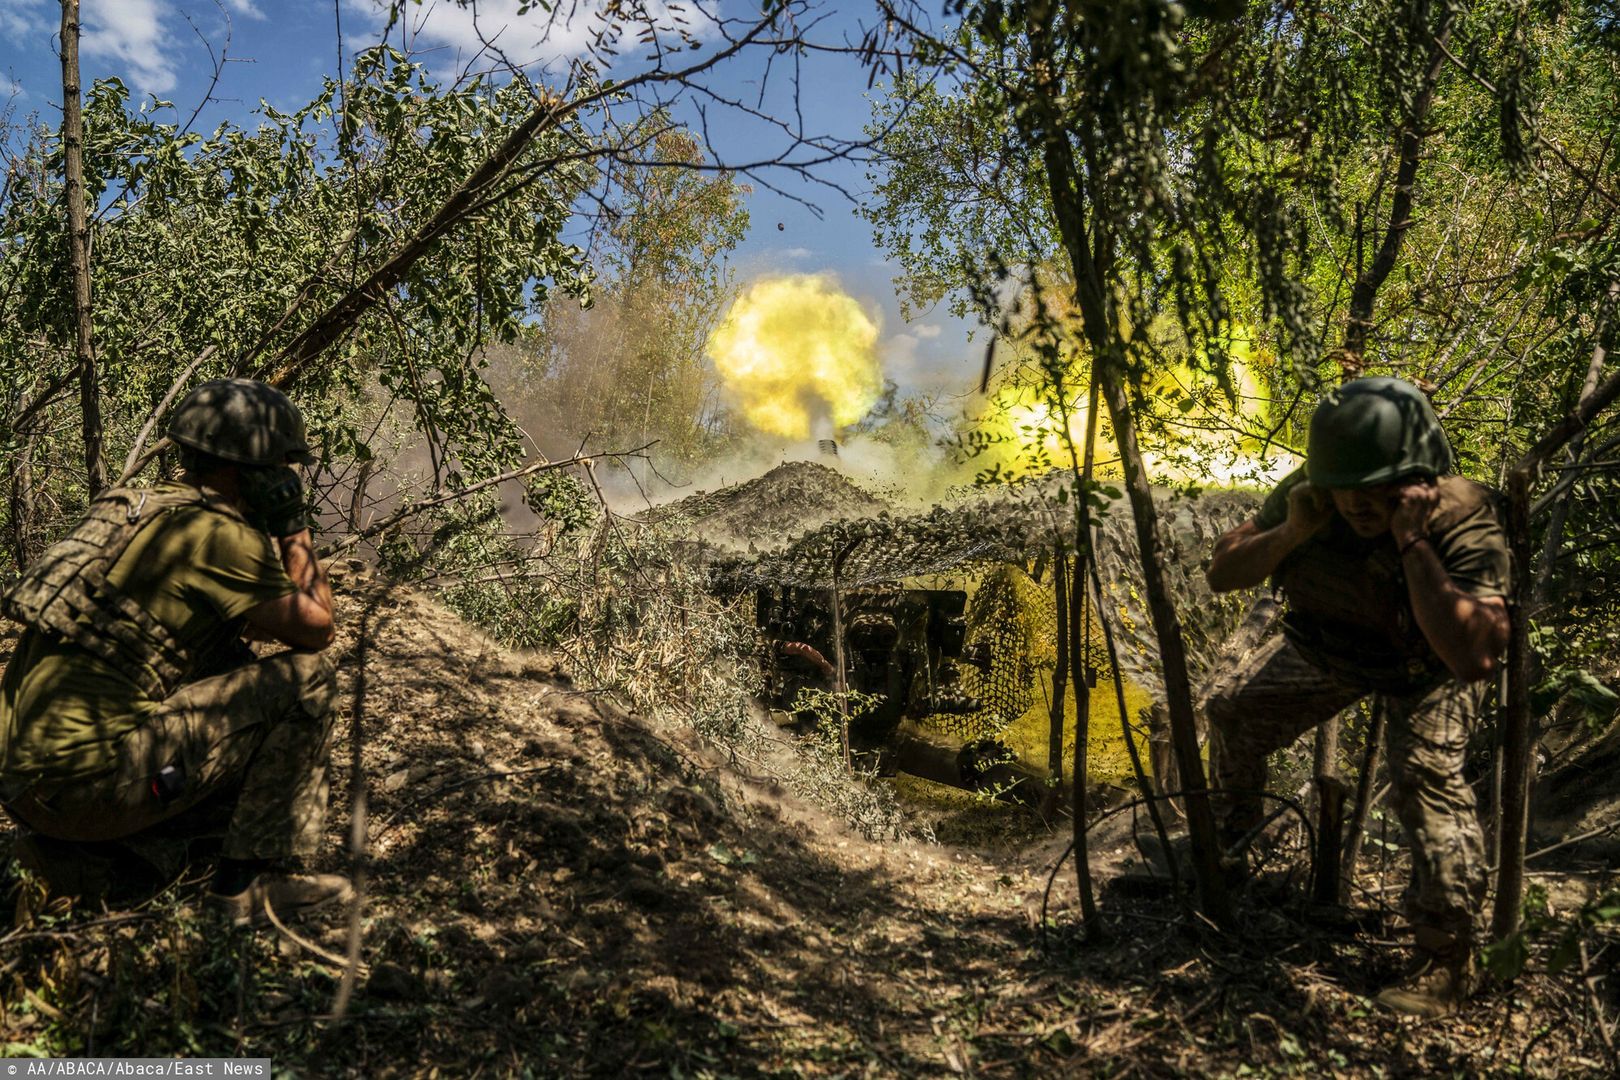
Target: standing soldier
(131, 701)
(1394, 573)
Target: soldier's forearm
(1248, 555)
(299, 560)
(1466, 632)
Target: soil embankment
(556, 888)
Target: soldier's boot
(1441, 978)
(284, 893)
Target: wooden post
(1330, 795)
(95, 466)
(1060, 671)
(1358, 816)
(1518, 729)
(841, 688)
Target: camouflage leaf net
(995, 541)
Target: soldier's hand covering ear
(274, 496)
(1309, 509)
(1410, 506)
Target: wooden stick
(1517, 734)
(1364, 800)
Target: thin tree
(78, 244)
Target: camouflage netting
(760, 513)
(1014, 527)
(1188, 527)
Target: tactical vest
(65, 594)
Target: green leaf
(1506, 959)
(1565, 953)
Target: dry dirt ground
(555, 889)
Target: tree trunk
(1541, 593)
(1364, 790)
(1518, 735)
(1325, 758)
(1060, 671)
(1142, 784)
(357, 501)
(1078, 614)
(95, 466)
(1089, 247)
(22, 504)
(1410, 148)
(1082, 466)
(1172, 656)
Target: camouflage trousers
(1274, 695)
(251, 745)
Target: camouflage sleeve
(1274, 511)
(236, 567)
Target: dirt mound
(771, 509)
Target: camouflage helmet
(243, 421)
(1375, 431)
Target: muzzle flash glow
(797, 355)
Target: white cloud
(793, 254)
(132, 32)
(538, 37)
(927, 330)
(899, 355)
(248, 9)
(28, 18)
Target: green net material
(1004, 628)
(1016, 529)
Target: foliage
(1562, 937)
(639, 624)
(855, 791)
(203, 242)
(1234, 176)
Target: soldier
(131, 701)
(1394, 573)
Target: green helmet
(1375, 431)
(242, 421)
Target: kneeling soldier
(131, 700)
(1394, 573)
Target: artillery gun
(946, 614)
(902, 647)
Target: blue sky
(279, 50)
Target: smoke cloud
(797, 356)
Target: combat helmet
(242, 421)
(1375, 431)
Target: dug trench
(553, 887)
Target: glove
(274, 496)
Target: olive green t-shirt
(194, 570)
(1348, 606)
